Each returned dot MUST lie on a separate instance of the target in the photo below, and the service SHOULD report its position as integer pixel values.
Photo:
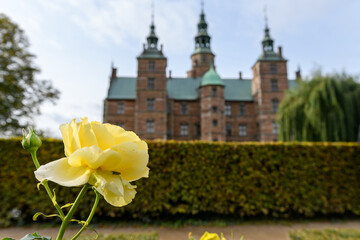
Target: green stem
(68, 216)
(88, 220)
(46, 186)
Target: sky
(75, 41)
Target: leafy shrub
(203, 179)
(327, 234)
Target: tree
(325, 108)
(20, 93)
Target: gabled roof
(122, 88)
(238, 89)
(185, 89)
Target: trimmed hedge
(203, 179)
(326, 234)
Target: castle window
(274, 85)
(120, 108)
(150, 126)
(203, 58)
(168, 108)
(151, 66)
(213, 92)
(273, 68)
(275, 128)
(214, 109)
(227, 109)
(228, 129)
(150, 104)
(215, 123)
(274, 105)
(184, 109)
(242, 130)
(242, 109)
(151, 83)
(184, 129)
(197, 129)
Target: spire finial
(152, 12)
(202, 6)
(266, 17)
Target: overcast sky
(75, 41)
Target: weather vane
(152, 11)
(266, 17)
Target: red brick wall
(158, 93)
(207, 101)
(235, 119)
(263, 95)
(202, 66)
(127, 118)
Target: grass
(326, 234)
(129, 236)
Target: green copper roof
(151, 53)
(151, 49)
(211, 78)
(238, 90)
(122, 88)
(202, 50)
(183, 88)
(292, 84)
(270, 56)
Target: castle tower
(202, 56)
(268, 85)
(212, 103)
(150, 106)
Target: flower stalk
(46, 186)
(70, 214)
(88, 220)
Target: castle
(201, 106)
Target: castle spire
(268, 42)
(202, 39)
(152, 39)
(151, 48)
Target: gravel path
(251, 232)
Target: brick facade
(153, 114)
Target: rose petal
(86, 134)
(87, 156)
(111, 160)
(116, 191)
(120, 135)
(62, 173)
(132, 164)
(104, 138)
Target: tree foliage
(325, 108)
(20, 93)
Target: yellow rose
(103, 155)
(210, 236)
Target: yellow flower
(210, 236)
(103, 155)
